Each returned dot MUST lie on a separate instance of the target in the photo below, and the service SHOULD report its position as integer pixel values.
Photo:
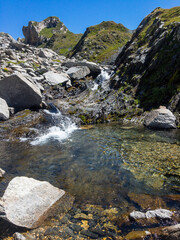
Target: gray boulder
(78, 72)
(4, 111)
(19, 92)
(53, 78)
(2, 172)
(46, 53)
(27, 202)
(161, 118)
(95, 70)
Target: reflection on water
(100, 165)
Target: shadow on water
(8, 229)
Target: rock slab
(27, 202)
(53, 78)
(4, 111)
(161, 118)
(19, 92)
(78, 72)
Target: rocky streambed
(108, 171)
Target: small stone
(18, 236)
(82, 216)
(51, 231)
(89, 234)
(76, 227)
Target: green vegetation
(5, 69)
(168, 16)
(48, 32)
(62, 43)
(61, 39)
(101, 41)
(156, 81)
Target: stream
(107, 165)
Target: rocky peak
(38, 32)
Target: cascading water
(101, 80)
(60, 129)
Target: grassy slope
(103, 40)
(163, 82)
(60, 42)
(158, 85)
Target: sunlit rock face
(26, 201)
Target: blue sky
(77, 15)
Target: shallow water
(101, 165)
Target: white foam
(101, 80)
(60, 132)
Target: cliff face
(101, 41)
(51, 33)
(149, 63)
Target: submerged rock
(27, 202)
(4, 111)
(137, 215)
(19, 236)
(158, 213)
(172, 232)
(161, 118)
(19, 92)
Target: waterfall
(101, 80)
(60, 129)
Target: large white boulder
(161, 118)
(19, 92)
(53, 78)
(4, 110)
(78, 72)
(27, 202)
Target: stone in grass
(28, 202)
(161, 118)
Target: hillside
(101, 41)
(149, 64)
(51, 33)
